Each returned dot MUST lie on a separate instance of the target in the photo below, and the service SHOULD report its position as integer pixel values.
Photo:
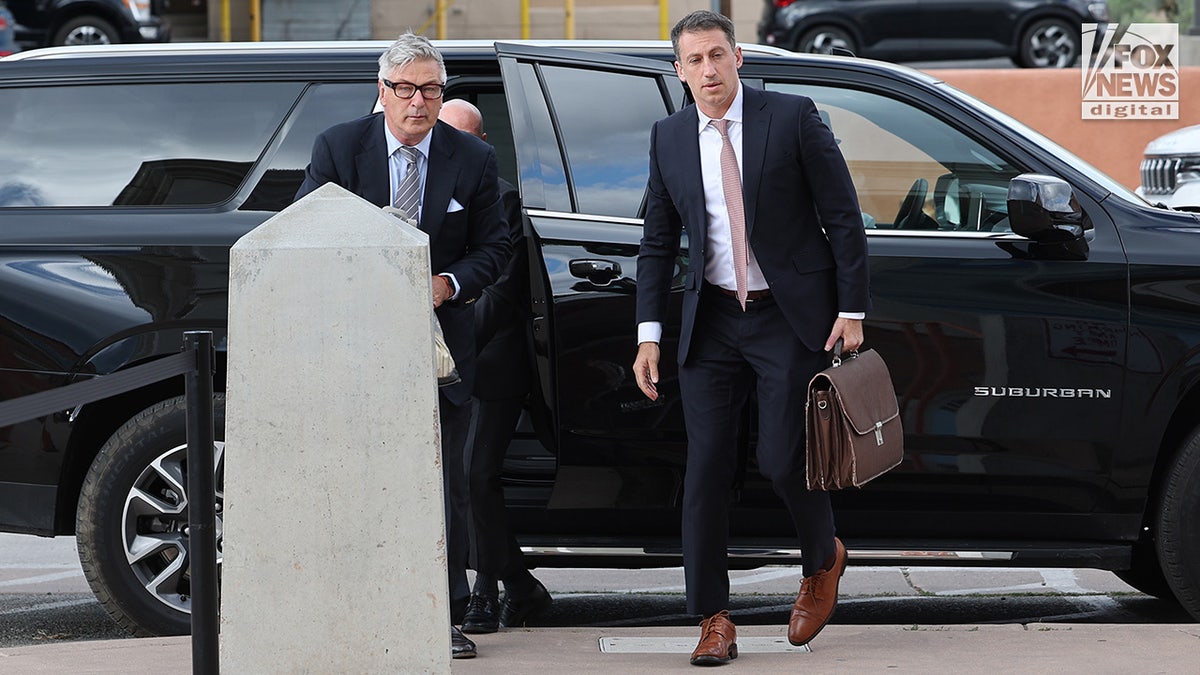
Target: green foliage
(1153, 11)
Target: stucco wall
(483, 19)
(501, 19)
(1050, 102)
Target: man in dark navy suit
(504, 376)
(779, 274)
(445, 181)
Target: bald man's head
(463, 116)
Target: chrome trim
(871, 232)
(585, 217)
(857, 554)
(942, 234)
(1159, 174)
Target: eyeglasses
(407, 90)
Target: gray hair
(406, 49)
(700, 21)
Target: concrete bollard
(334, 538)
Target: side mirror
(1044, 209)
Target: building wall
(309, 20)
(470, 19)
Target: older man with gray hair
(445, 180)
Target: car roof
(375, 47)
(197, 60)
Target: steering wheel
(911, 216)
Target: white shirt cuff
(857, 316)
(453, 284)
(649, 331)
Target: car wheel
(1178, 529)
(132, 521)
(824, 39)
(86, 30)
(1049, 43)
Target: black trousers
(732, 351)
(496, 552)
(455, 426)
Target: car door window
(323, 106)
(912, 170)
(604, 121)
(82, 147)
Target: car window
(136, 144)
(607, 153)
(323, 106)
(543, 178)
(494, 109)
(912, 170)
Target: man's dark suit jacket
(471, 243)
(501, 316)
(802, 216)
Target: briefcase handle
(837, 353)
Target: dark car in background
(1033, 33)
(1039, 320)
(8, 42)
(42, 23)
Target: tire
(87, 30)
(132, 521)
(1178, 528)
(1049, 43)
(824, 39)
(1146, 573)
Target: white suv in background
(1171, 170)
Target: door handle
(599, 272)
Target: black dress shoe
(483, 614)
(516, 610)
(461, 646)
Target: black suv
(1039, 320)
(41, 23)
(1034, 33)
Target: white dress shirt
(398, 166)
(718, 263)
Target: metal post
(569, 19)
(256, 20)
(202, 518)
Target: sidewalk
(1041, 648)
(1071, 644)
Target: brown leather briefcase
(852, 422)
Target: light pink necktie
(731, 184)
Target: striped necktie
(408, 194)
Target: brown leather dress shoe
(718, 641)
(818, 597)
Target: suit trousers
(455, 426)
(495, 548)
(732, 351)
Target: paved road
(44, 597)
